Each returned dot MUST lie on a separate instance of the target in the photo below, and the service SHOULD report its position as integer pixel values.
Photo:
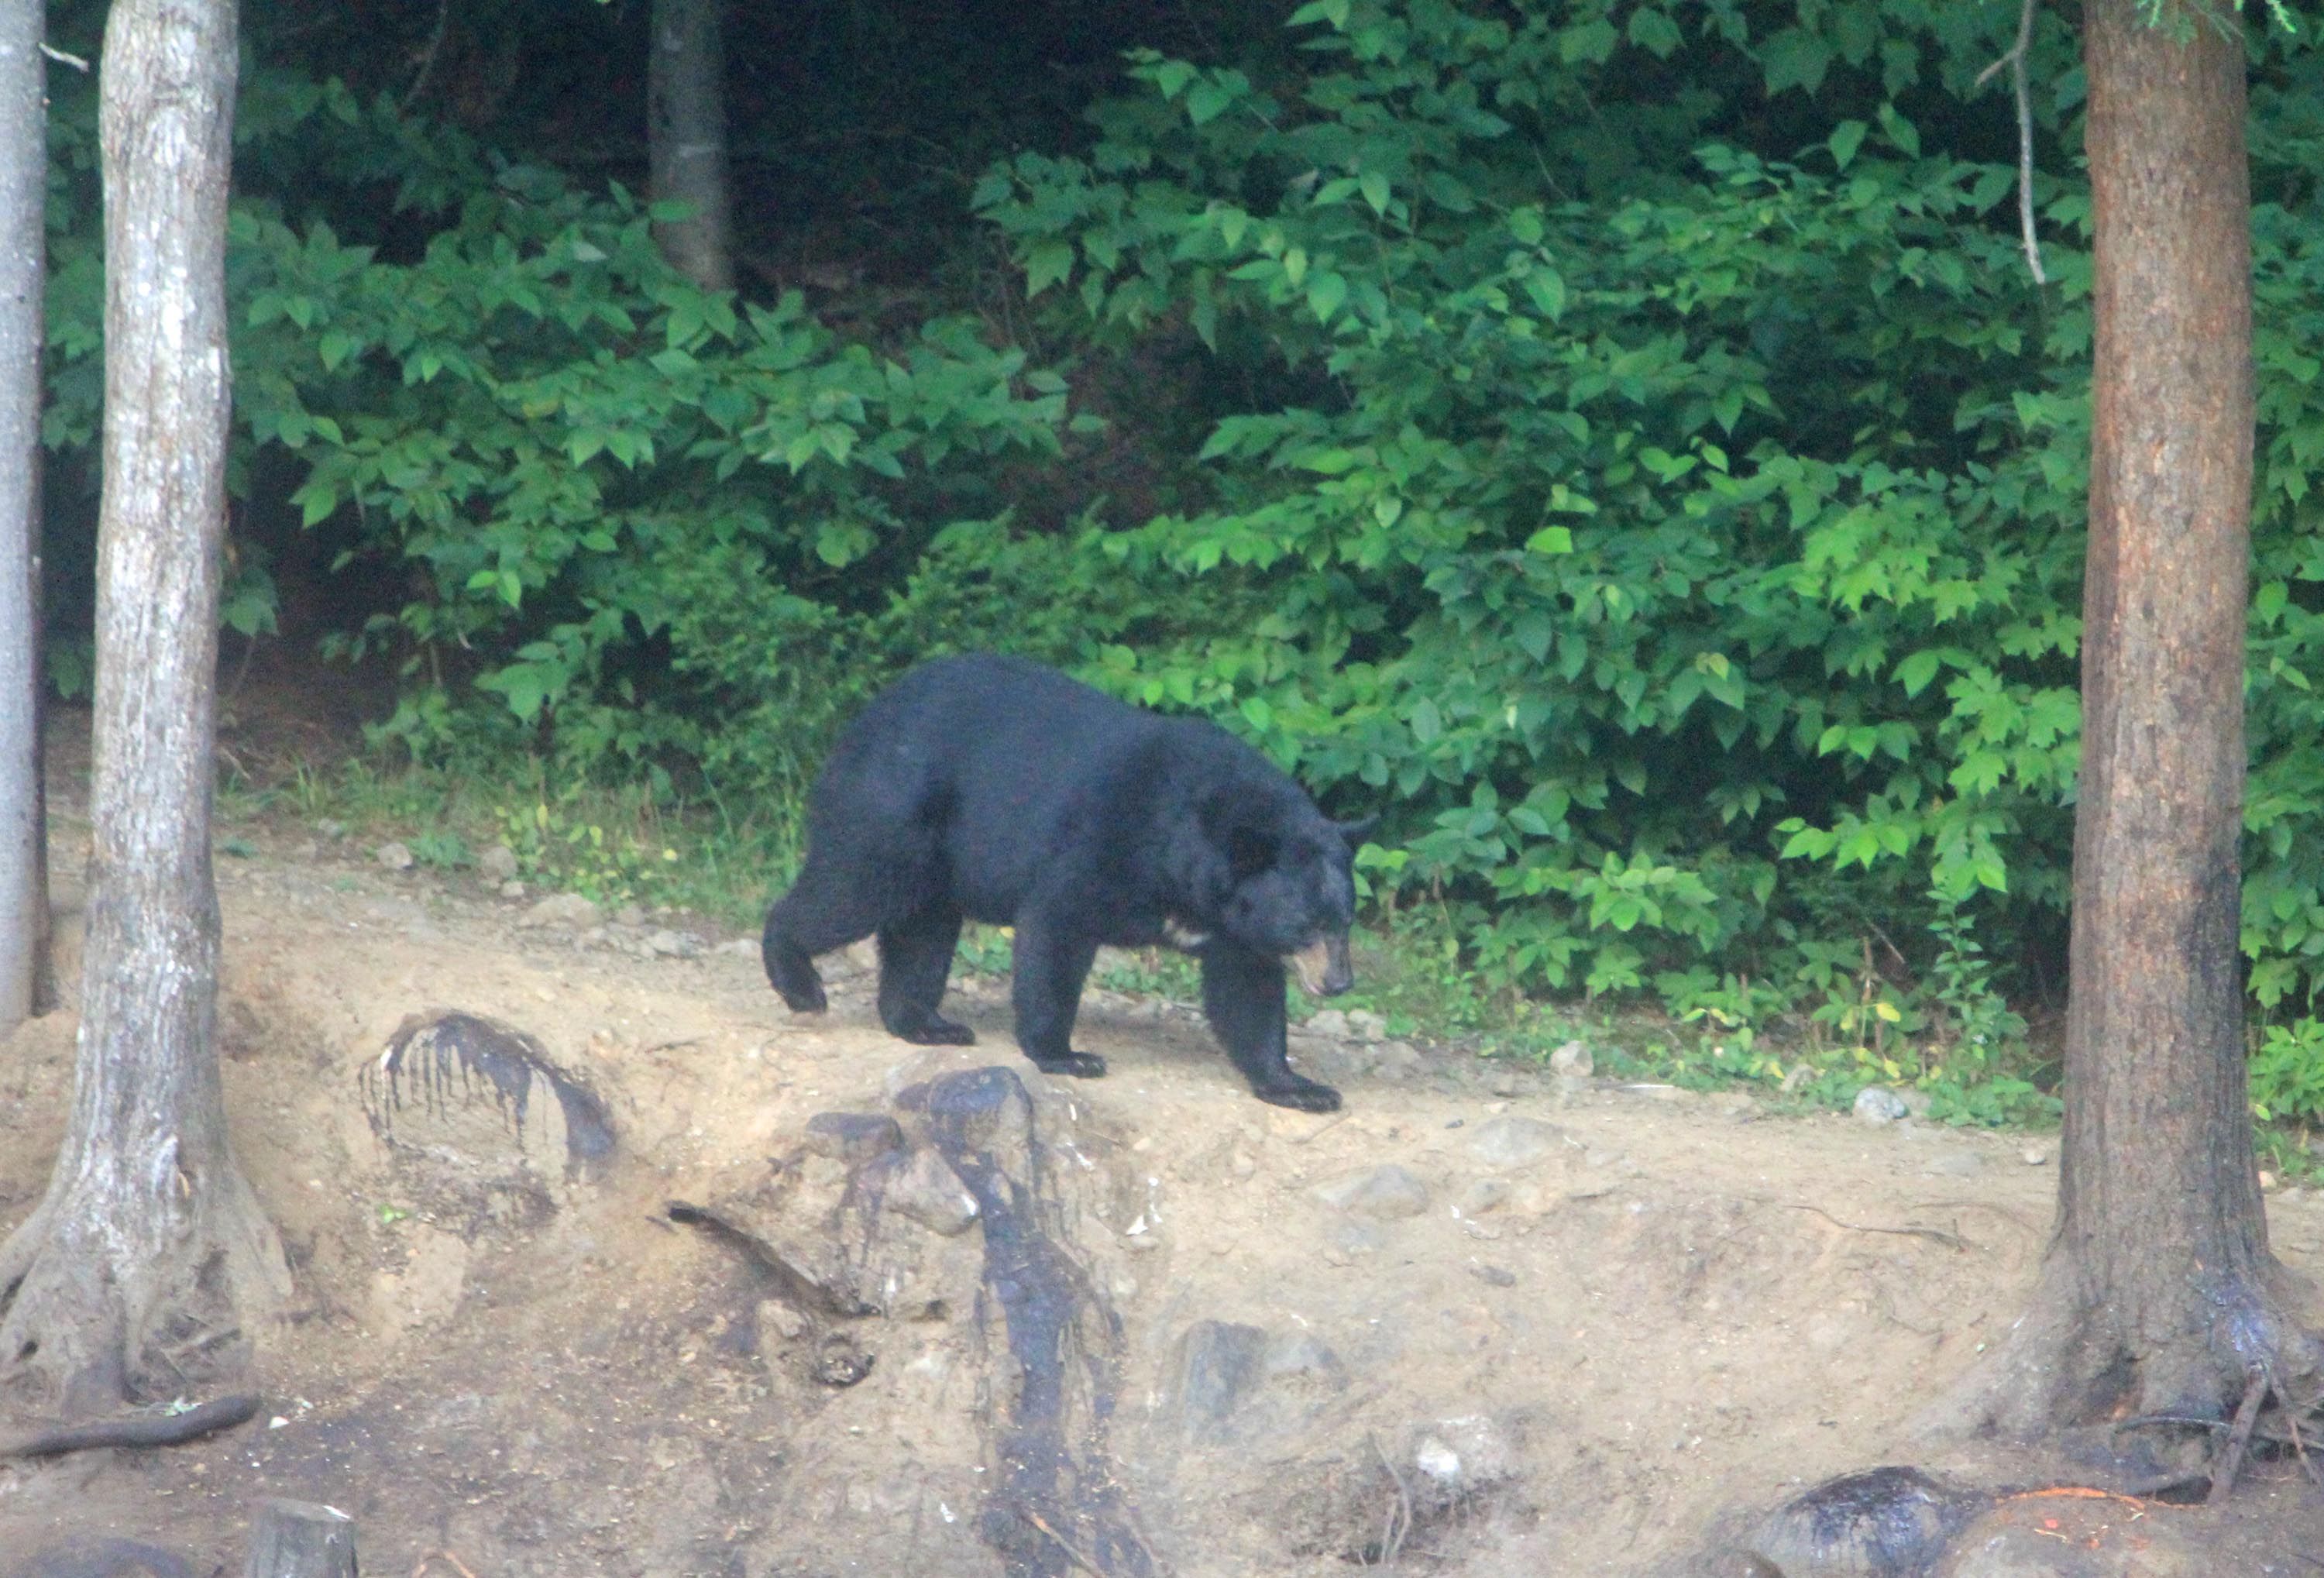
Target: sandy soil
(1580, 1326)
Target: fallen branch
(136, 1429)
(2231, 1456)
(1951, 1240)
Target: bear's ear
(1250, 847)
(1249, 851)
(1356, 831)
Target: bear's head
(1288, 885)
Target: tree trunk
(686, 136)
(24, 985)
(140, 1272)
(2159, 1290)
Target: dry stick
(1075, 1555)
(137, 1430)
(457, 1565)
(2291, 1419)
(1951, 1240)
(2016, 60)
(2231, 1458)
(1399, 1516)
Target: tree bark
(685, 126)
(2159, 1288)
(25, 983)
(145, 1266)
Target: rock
(674, 944)
(101, 1556)
(1572, 1061)
(478, 1117)
(2074, 1538)
(330, 827)
(1366, 1026)
(1462, 1456)
(395, 857)
(926, 1191)
(1879, 1105)
(2267, 1179)
(1386, 1192)
(1399, 1060)
(561, 909)
(2035, 1155)
(1348, 1239)
(1916, 1100)
(1330, 1022)
(1494, 1276)
(1798, 1079)
(852, 1136)
(511, 889)
(741, 947)
(498, 863)
(1482, 1195)
(629, 914)
(1300, 1353)
(1220, 1365)
(1513, 1142)
(1870, 1525)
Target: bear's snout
(1322, 966)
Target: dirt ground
(1580, 1326)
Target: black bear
(996, 789)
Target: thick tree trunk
(24, 986)
(686, 136)
(142, 1270)
(2159, 1288)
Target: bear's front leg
(1242, 993)
(1052, 960)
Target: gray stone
(1348, 1239)
(499, 862)
(1513, 1142)
(1869, 1525)
(1483, 1194)
(629, 914)
(674, 944)
(928, 1192)
(1954, 1162)
(2035, 1155)
(1574, 1061)
(852, 1136)
(562, 910)
(1879, 1105)
(395, 857)
(1366, 1025)
(511, 889)
(1399, 1060)
(1385, 1193)
(1220, 1365)
(1299, 1354)
(1494, 1276)
(1330, 1022)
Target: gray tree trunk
(149, 1262)
(685, 137)
(24, 985)
(2159, 1292)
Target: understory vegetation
(1622, 444)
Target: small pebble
(2035, 1155)
(395, 857)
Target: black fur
(1001, 791)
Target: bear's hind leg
(820, 913)
(1243, 995)
(915, 958)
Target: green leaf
(1374, 186)
(1207, 100)
(1046, 263)
(1547, 289)
(1846, 138)
(1550, 539)
(1325, 293)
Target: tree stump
(300, 1540)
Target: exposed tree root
(2074, 1360)
(136, 1430)
(105, 1302)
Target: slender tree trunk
(686, 136)
(149, 1260)
(24, 984)
(2159, 1290)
